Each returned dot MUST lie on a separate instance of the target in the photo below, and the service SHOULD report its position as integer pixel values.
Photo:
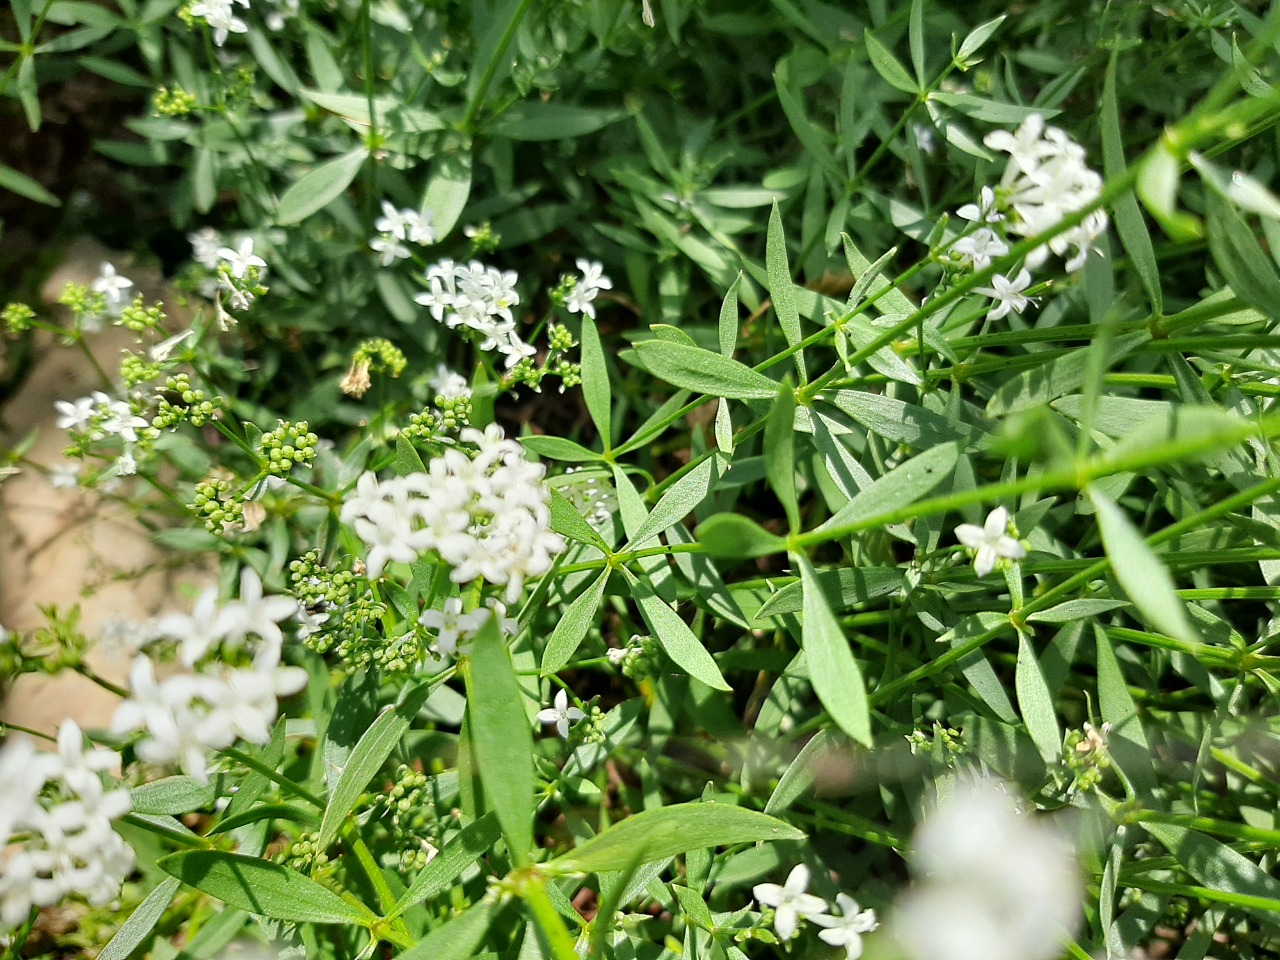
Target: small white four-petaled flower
(790, 902)
(991, 541)
(241, 258)
(847, 929)
(1007, 294)
(561, 714)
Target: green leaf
(27, 88)
(888, 66)
(1140, 572)
(501, 738)
(844, 587)
(353, 714)
(903, 422)
(595, 381)
(573, 625)
(367, 758)
(916, 39)
(674, 636)
(678, 502)
(320, 187)
(472, 842)
(1055, 378)
(457, 939)
(354, 107)
(533, 120)
(800, 773)
(1072, 610)
(733, 535)
(902, 485)
(559, 448)
(141, 922)
(1127, 744)
(1218, 866)
(171, 795)
(24, 186)
(1237, 187)
(568, 522)
(267, 811)
(976, 667)
(1251, 273)
(447, 192)
(1129, 224)
(978, 36)
(668, 831)
(779, 461)
(706, 372)
(727, 328)
(1157, 188)
(781, 290)
(408, 460)
(267, 889)
(1036, 703)
(833, 671)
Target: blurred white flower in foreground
(990, 542)
(992, 883)
(790, 902)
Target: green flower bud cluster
(136, 369)
(404, 796)
(422, 427)
(315, 585)
(944, 744)
(527, 372)
(381, 355)
(453, 412)
(304, 854)
(289, 444)
(559, 338)
(1085, 755)
(17, 317)
(57, 646)
(216, 506)
(400, 654)
(82, 302)
(560, 292)
(138, 318)
(570, 374)
(483, 239)
(187, 404)
(173, 103)
(591, 729)
(416, 856)
(642, 660)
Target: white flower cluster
(585, 289)
(1045, 180)
(792, 903)
(99, 416)
(211, 705)
(990, 542)
(396, 227)
(220, 16)
(479, 298)
(209, 250)
(58, 814)
(993, 884)
(486, 515)
(445, 383)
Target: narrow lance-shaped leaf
(1036, 703)
(471, 843)
(679, 500)
(141, 922)
(781, 290)
(502, 738)
(568, 522)
(1140, 572)
(668, 831)
(711, 373)
(779, 447)
(367, 758)
(267, 889)
(595, 381)
(900, 486)
(833, 671)
(1127, 741)
(447, 192)
(674, 636)
(572, 627)
(733, 535)
(457, 939)
(1218, 866)
(319, 187)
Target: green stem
(103, 682)
(369, 866)
(544, 913)
(491, 68)
(279, 779)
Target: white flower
(389, 249)
(980, 247)
(452, 626)
(990, 541)
(198, 632)
(205, 244)
(1007, 294)
(478, 298)
(790, 903)
(255, 614)
(562, 715)
(160, 352)
(984, 211)
(584, 291)
(218, 15)
(242, 257)
(74, 414)
(112, 286)
(847, 929)
(445, 383)
(406, 224)
(993, 884)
